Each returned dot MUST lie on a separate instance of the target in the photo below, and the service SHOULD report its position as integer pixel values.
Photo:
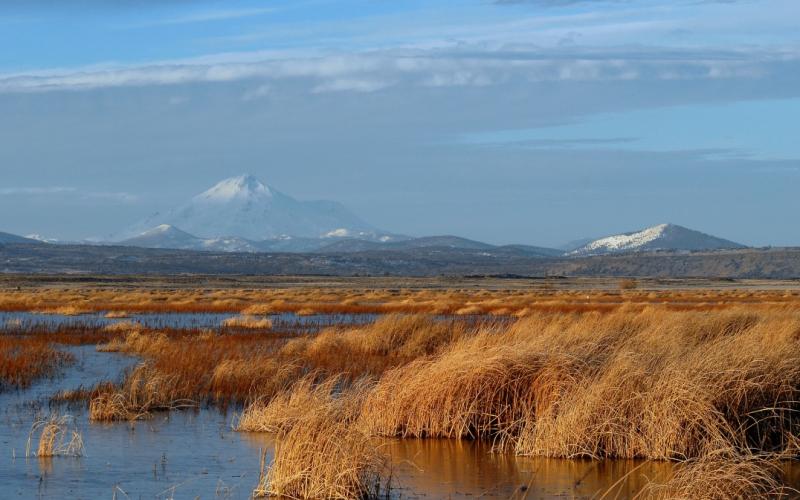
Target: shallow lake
(22, 321)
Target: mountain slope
(166, 236)
(245, 207)
(447, 243)
(13, 238)
(660, 237)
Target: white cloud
(454, 66)
(351, 85)
(15, 191)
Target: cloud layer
(464, 66)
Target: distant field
(304, 295)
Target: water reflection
(453, 469)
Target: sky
(508, 121)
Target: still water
(24, 321)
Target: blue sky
(537, 121)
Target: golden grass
(117, 314)
(280, 413)
(715, 477)
(56, 437)
(247, 321)
(322, 454)
(718, 392)
(122, 326)
(650, 384)
(65, 310)
(145, 390)
(371, 349)
(193, 369)
(313, 300)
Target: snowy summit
(242, 187)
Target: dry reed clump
(201, 367)
(324, 454)
(144, 390)
(262, 309)
(66, 310)
(117, 314)
(461, 394)
(247, 321)
(720, 477)
(282, 411)
(631, 384)
(247, 378)
(122, 327)
(137, 342)
(391, 340)
(24, 359)
(56, 437)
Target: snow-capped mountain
(660, 237)
(244, 207)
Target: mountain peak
(161, 229)
(244, 186)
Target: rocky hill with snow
(661, 237)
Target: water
(25, 321)
(181, 454)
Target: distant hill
(166, 236)
(660, 237)
(773, 263)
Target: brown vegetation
(24, 359)
(248, 321)
(313, 300)
(322, 451)
(717, 392)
